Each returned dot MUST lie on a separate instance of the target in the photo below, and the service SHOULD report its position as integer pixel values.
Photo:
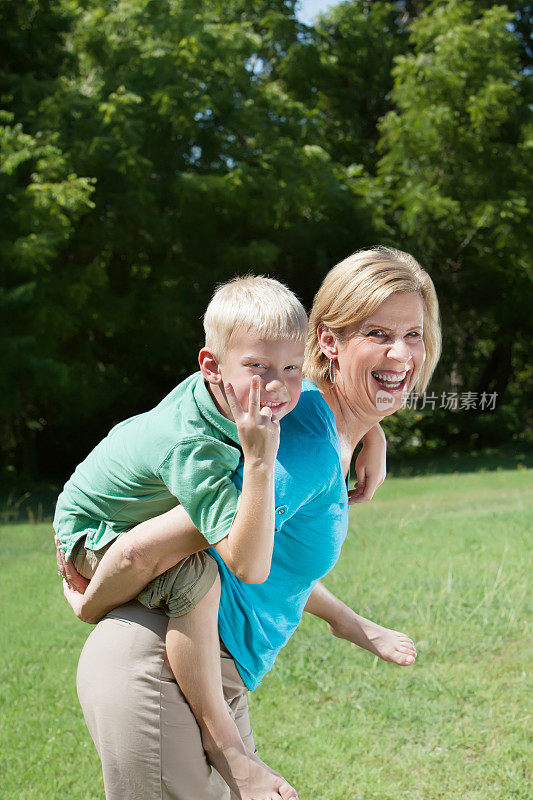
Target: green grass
(444, 558)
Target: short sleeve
(198, 472)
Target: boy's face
(278, 364)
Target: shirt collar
(209, 410)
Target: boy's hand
(258, 429)
(69, 573)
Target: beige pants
(145, 733)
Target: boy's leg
(194, 654)
(84, 560)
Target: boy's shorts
(176, 591)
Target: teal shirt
(183, 450)
(257, 620)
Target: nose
(274, 383)
(399, 351)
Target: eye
(415, 335)
(293, 367)
(376, 332)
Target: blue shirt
(257, 620)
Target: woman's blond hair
(354, 289)
(253, 303)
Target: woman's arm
(133, 560)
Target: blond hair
(260, 305)
(354, 289)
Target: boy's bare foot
(387, 644)
(244, 772)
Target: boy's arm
(132, 561)
(152, 547)
(370, 466)
(247, 549)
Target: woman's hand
(370, 466)
(75, 600)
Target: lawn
(445, 558)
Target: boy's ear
(209, 365)
(327, 341)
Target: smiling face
(379, 362)
(278, 364)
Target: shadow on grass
(36, 504)
(487, 460)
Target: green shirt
(182, 451)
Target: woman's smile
(385, 353)
(391, 381)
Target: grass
(443, 557)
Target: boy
(186, 450)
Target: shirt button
(281, 510)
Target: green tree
(41, 202)
(204, 166)
(341, 69)
(456, 165)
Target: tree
(203, 166)
(341, 68)
(456, 161)
(42, 200)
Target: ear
(209, 365)
(327, 341)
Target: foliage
(455, 166)
(151, 148)
(42, 202)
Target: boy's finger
(266, 412)
(254, 396)
(60, 559)
(233, 403)
(361, 494)
(354, 496)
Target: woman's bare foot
(244, 772)
(387, 644)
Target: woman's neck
(351, 425)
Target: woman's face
(380, 361)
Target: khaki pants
(145, 733)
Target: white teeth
(393, 380)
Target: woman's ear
(209, 365)
(327, 341)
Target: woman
(374, 336)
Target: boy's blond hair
(354, 289)
(253, 303)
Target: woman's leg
(145, 733)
